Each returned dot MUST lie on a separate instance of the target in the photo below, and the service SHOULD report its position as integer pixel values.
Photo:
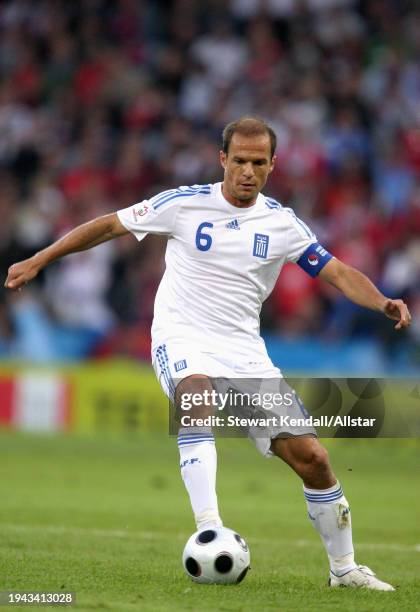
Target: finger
(8, 281)
(405, 319)
(393, 314)
(15, 283)
(398, 310)
(389, 303)
(405, 316)
(392, 309)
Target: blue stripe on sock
(197, 434)
(192, 442)
(201, 439)
(340, 490)
(329, 497)
(322, 493)
(194, 434)
(323, 501)
(335, 494)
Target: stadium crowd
(104, 103)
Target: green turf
(108, 517)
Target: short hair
(248, 126)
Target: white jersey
(222, 262)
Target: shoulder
(289, 217)
(296, 223)
(275, 206)
(271, 203)
(171, 197)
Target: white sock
(197, 451)
(329, 512)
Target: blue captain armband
(314, 259)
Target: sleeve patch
(140, 212)
(314, 259)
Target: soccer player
(226, 246)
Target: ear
(223, 159)
(273, 163)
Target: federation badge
(260, 246)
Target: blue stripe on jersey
(180, 195)
(167, 196)
(164, 194)
(303, 225)
(272, 203)
(160, 195)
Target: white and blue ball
(216, 556)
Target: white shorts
(175, 361)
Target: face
(247, 166)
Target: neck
(235, 201)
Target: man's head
(247, 158)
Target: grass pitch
(108, 518)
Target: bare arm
(360, 290)
(80, 238)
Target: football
(216, 556)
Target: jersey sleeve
(154, 216)
(304, 248)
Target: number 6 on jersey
(203, 241)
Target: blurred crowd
(104, 103)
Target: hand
(21, 273)
(397, 310)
